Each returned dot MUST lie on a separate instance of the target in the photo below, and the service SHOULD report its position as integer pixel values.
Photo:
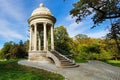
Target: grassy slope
(10, 70)
(114, 62)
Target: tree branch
(103, 13)
(98, 10)
(116, 16)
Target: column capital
(35, 24)
(44, 23)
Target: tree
(16, 51)
(26, 47)
(21, 43)
(115, 35)
(61, 35)
(100, 9)
(5, 50)
(61, 39)
(12, 50)
(80, 37)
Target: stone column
(32, 38)
(39, 44)
(52, 37)
(45, 37)
(35, 37)
(30, 41)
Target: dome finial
(41, 5)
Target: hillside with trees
(79, 47)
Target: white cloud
(8, 32)
(83, 28)
(9, 8)
(12, 15)
(72, 27)
(10, 35)
(98, 34)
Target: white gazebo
(41, 22)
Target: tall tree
(100, 9)
(61, 38)
(115, 34)
(5, 51)
(21, 43)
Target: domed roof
(41, 10)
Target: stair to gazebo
(64, 62)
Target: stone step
(73, 66)
(61, 58)
(58, 56)
(67, 64)
(64, 62)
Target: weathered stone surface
(37, 56)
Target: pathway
(93, 70)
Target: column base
(37, 56)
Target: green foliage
(61, 35)
(10, 70)
(100, 9)
(80, 47)
(115, 34)
(113, 62)
(5, 50)
(90, 48)
(62, 39)
(12, 50)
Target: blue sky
(15, 13)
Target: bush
(105, 55)
(94, 56)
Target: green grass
(80, 61)
(113, 62)
(10, 70)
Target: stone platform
(37, 56)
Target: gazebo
(41, 24)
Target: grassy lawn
(114, 62)
(10, 70)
